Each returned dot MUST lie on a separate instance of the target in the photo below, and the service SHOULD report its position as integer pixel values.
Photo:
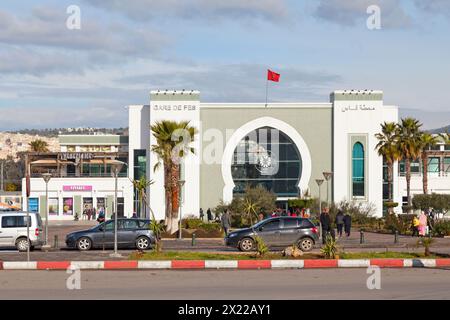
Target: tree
(388, 149)
(408, 144)
(38, 145)
(172, 145)
(141, 186)
(427, 140)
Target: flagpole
(267, 89)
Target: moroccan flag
(273, 76)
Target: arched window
(269, 158)
(358, 170)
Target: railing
(430, 174)
(84, 175)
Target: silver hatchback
(13, 230)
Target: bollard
(193, 239)
(361, 236)
(396, 236)
(55, 244)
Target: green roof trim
(356, 96)
(175, 96)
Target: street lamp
(319, 183)
(116, 167)
(46, 177)
(180, 184)
(327, 176)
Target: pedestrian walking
(422, 224)
(209, 214)
(347, 224)
(202, 215)
(339, 222)
(415, 226)
(325, 221)
(226, 221)
(101, 216)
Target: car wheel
(22, 244)
(246, 244)
(306, 244)
(84, 244)
(143, 243)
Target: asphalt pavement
(244, 284)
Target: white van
(13, 230)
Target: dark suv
(130, 233)
(276, 232)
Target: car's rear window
(307, 224)
(14, 222)
(290, 223)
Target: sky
(54, 76)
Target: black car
(276, 232)
(130, 233)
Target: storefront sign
(77, 188)
(76, 155)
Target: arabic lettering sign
(76, 155)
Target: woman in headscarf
(422, 224)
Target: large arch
(244, 130)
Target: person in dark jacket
(202, 215)
(325, 221)
(339, 222)
(209, 214)
(225, 219)
(347, 224)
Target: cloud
(46, 27)
(434, 6)
(241, 82)
(350, 13)
(216, 10)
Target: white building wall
(359, 118)
(101, 188)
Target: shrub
(439, 202)
(261, 247)
(401, 223)
(426, 243)
(209, 227)
(191, 223)
(329, 249)
(441, 228)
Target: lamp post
(116, 168)
(327, 176)
(180, 184)
(46, 177)
(319, 183)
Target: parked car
(276, 232)
(130, 233)
(13, 230)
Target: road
(243, 284)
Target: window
(415, 167)
(272, 225)
(447, 165)
(33, 204)
(358, 170)
(129, 224)
(109, 226)
(14, 222)
(305, 223)
(433, 164)
(267, 157)
(290, 223)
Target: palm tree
(446, 137)
(427, 140)
(408, 144)
(170, 150)
(387, 148)
(141, 186)
(38, 145)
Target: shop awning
(50, 162)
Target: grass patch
(191, 255)
(385, 255)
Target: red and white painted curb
(223, 264)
